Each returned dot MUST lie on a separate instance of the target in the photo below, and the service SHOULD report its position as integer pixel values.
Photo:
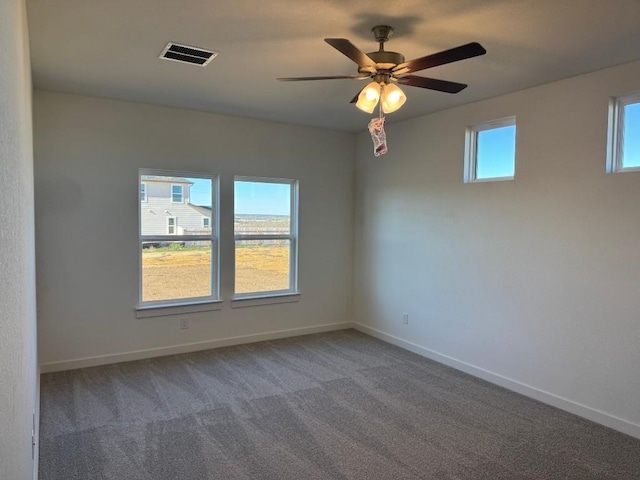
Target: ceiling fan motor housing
(384, 60)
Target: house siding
(158, 208)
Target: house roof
(202, 209)
(111, 49)
(158, 178)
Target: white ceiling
(110, 48)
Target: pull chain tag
(379, 137)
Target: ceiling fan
(388, 68)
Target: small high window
(623, 146)
(206, 223)
(490, 151)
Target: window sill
(625, 170)
(269, 299)
(492, 179)
(147, 311)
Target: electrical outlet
(405, 318)
(184, 323)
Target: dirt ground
(262, 268)
(179, 274)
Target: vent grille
(187, 54)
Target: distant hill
(260, 216)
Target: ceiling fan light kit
(391, 97)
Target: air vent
(186, 54)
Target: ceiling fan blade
(355, 99)
(431, 83)
(462, 52)
(347, 48)
(332, 77)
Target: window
(490, 151)
(623, 145)
(206, 223)
(178, 260)
(143, 192)
(266, 236)
(171, 225)
(176, 193)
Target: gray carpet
(339, 405)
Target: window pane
(631, 136)
(159, 206)
(176, 270)
(176, 192)
(496, 152)
(262, 208)
(262, 265)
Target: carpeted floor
(340, 405)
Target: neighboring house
(165, 207)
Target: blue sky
(260, 198)
(631, 143)
(495, 152)
(254, 198)
(200, 192)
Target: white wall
(18, 361)
(87, 155)
(532, 283)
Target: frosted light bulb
(371, 94)
(393, 97)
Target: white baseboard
(187, 348)
(562, 403)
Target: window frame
(471, 149)
(181, 193)
(292, 237)
(206, 222)
(183, 305)
(615, 133)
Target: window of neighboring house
(176, 193)
(490, 151)
(266, 236)
(178, 261)
(143, 192)
(623, 149)
(171, 225)
(206, 223)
